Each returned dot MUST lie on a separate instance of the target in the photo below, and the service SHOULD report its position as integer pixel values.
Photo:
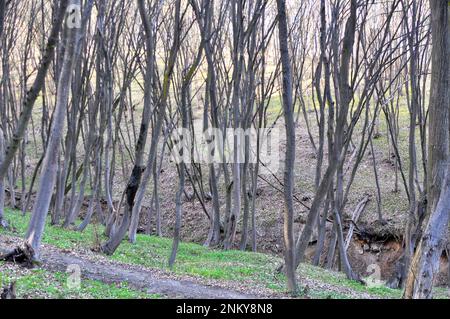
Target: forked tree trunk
(238, 47)
(204, 22)
(335, 154)
(135, 188)
(185, 119)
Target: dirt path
(95, 266)
(143, 279)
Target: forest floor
(384, 251)
(147, 281)
(140, 270)
(244, 268)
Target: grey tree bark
(335, 153)
(236, 8)
(439, 95)
(33, 92)
(288, 214)
(3, 223)
(49, 167)
(425, 264)
(142, 140)
(136, 189)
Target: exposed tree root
(23, 255)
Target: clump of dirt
(379, 258)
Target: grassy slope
(243, 268)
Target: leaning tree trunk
(425, 265)
(33, 92)
(48, 175)
(336, 152)
(139, 177)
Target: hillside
(202, 272)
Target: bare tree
(425, 264)
(48, 175)
(288, 215)
(135, 187)
(33, 92)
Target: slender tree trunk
(336, 152)
(412, 222)
(3, 223)
(425, 264)
(238, 47)
(288, 215)
(139, 162)
(2, 136)
(2, 15)
(33, 92)
(135, 189)
(48, 174)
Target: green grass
(243, 268)
(39, 283)
(153, 252)
(339, 279)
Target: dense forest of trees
(92, 94)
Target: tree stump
(23, 255)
